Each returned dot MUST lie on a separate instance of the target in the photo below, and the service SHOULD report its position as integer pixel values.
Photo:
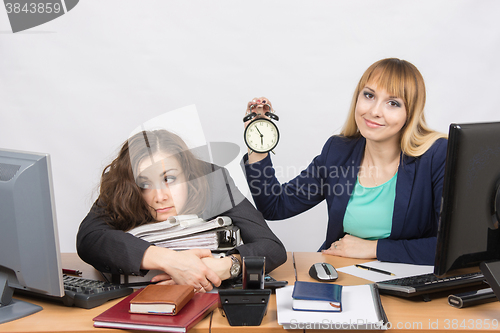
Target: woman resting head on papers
(156, 176)
(382, 177)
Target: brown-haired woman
(156, 176)
(382, 177)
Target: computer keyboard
(84, 293)
(428, 283)
(87, 294)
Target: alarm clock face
(261, 135)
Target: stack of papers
(199, 241)
(160, 231)
(221, 239)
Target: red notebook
(195, 310)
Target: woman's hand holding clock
(259, 105)
(261, 134)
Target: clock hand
(261, 136)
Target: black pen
(138, 284)
(375, 270)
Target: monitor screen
(468, 231)
(29, 241)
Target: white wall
(77, 86)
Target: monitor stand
(11, 309)
(491, 271)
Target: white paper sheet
(400, 270)
(358, 311)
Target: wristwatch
(235, 267)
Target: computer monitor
(468, 231)
(29, 242)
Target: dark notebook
(317, 296)
(195, 310)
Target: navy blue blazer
(331, 176)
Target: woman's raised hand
(259, 105)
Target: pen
(294, 267)
(138, 284)
(375, 270)
(71, 271)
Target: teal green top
(369, 211)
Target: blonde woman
(382, 177)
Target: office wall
(77, 86)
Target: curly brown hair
(121, 197)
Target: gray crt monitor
(29, 242)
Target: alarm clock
(261, 135)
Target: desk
(56, 317)
(408, 315)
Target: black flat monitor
(29, 241)
(468, 231)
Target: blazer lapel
(404, 189)
(343, 189)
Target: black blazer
(115, 251)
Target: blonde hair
(402, 79)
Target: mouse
(323, 272)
